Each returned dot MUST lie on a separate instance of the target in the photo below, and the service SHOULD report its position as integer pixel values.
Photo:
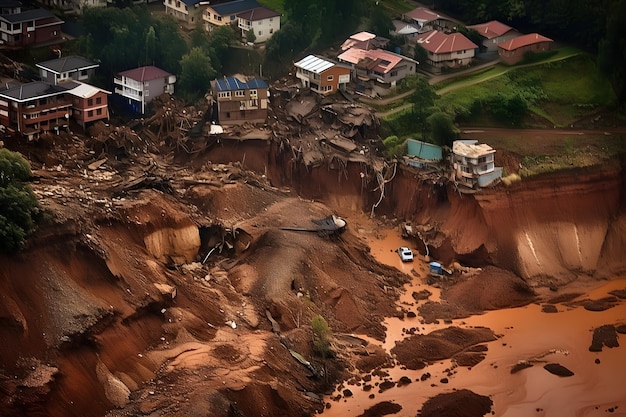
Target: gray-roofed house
(29, 27)
(188, 11)
(73, 67)
(240, 101)
(226, 13)
(10, 6)
(137, 87)
(34, 108)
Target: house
(29, 27)
(378, 64)
(263, 22)
(73, 67)
(226, 13)
(404, 29)
(473, 164)
(513, 50)
(89, 103)
(445, 50)
(34, 108)
(138, 86)
(240, 101)
(426, 20)
(188, 11)
(364, 40)
(322, 75)
(10, 6)
(423, 154)
(493, 33)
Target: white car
(405, 253)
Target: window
(83, 74)
(259, 23)
(90, 102)
(240, 93)
(99, 112)
(329, 78)
(242, 105)
(253, 93)
(228, 115)
(482, 159)
(233, 17)
(90, 113)
(178, 4)
(271, 19)
(394, 73)
(272, 30)
(465, 169)
(54, 33)
(254, 103)
(98, 100)
(223, 94)
(260, 32)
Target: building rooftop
(491, 29)
(471, 148)
(422, 15)
(82, 90)
(36, 14)
(29, 91)
(258, 13)
(524, 40)
(145, 73)
(69, 63)
(440, 43)
(314, 64)
(233, 83)
(234, 7)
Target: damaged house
(474, 164)
(240, 101)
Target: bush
(18, 204)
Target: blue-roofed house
(226, 13)
(240, 101)
(188, 11)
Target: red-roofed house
(426, 20)
(378, 64)
(138, 86)
(261, 20)
(445, 50)
(493, 33)
(364, 40)
(513, 50)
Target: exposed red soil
(118, 307)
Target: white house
(138, 86)
(188, 11)
(474, 163)
(261, 20)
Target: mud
(148, 290)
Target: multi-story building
(445, 50)
(240, 101)
(34, 108)
(380, 65)
(138, 86)
(263, 22)
(89, 103)
(10, 6)
(29, 27)
(38, 107)
(58, 70)
(474, 163)
(322, 75)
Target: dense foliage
(18, 205)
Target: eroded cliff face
(548, 229)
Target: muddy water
(596, 389)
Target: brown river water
(526, 333)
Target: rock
(558, 369)
(166, 290)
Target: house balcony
(132, 94)
(245, 25)
(127, 83)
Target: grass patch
(276, 5)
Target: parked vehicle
(405, 254)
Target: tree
(394, 146)
(379, 22)
(151, 47)
(196, 74)
(423, 98)
(220, 39)
(442, 129)
(18, 205)
(612, 50)
(421, 54)
(250, 36)
(321, 339)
